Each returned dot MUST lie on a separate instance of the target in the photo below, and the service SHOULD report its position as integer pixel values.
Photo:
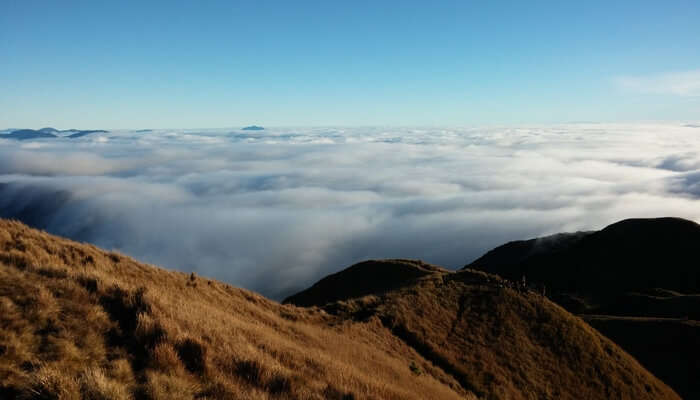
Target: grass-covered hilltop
(78, 322)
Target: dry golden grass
(79, 322)
(505, 344)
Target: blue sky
(170, 64)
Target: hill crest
(364, 278)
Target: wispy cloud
(682, 83)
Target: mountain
(80, 322)
(253, 128)
(637, 281)
(496, 341)
(28, 134)
(630, 255)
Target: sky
(174, 64)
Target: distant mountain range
(253, 128)
(44, 133)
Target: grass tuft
(95, 385)
(193, 355)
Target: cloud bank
(275, 211)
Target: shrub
(415, 368)
(165, 358)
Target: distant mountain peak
(49, 130)
(253, 128)
(27, 134)
(47, 133)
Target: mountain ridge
(47, 133)
(77, 321)
(593, 256)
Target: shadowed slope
(508, 260)
(670, 346)
(634, 254)
(645, 268)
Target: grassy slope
(501, 343)
(76, 321)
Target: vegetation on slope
(499, 342)
(79, 322)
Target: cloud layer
(275, 211)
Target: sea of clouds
(276, 210)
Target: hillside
(637, 281)
(80, 322)
(634, 254)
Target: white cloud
(275, 211)
(684, 83)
